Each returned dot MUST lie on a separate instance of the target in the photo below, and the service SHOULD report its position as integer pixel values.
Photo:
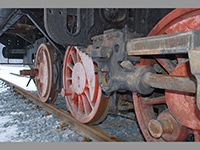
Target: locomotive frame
(89, 54)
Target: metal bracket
(176, 43)
(31, 78)
(194, 56)
(15, 16)
(76, 26)
(41, 28)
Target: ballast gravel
(122, 128)
(23, 121)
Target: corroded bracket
(194, 56)
(29, 72)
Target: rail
(85, 130)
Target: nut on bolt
(159, 127)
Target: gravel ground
(23, 121)
(122, 128)
(118, 126)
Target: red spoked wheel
(45, 78)
(80, 87)
(173, 116)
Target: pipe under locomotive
(92, 55)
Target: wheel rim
(179, 20)
(44, 80)
(84, 99)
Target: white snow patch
(17, 113)
(4, 119)
(6, 134)
(49, 116)
(3, 90)
(20, 81)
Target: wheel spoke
(69, 78)
(70, 66)
(77, 57)
(74, 104)
(88, 98)
(80, 105)
(87, 86)
(158, 100)
(73, 95)
(74, 57)
(86, 105)
(41, 86)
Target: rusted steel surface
(154, 101)
(30, 72)
(158, 128)
(194, 56)
(174, 130)
(174, 43)
(169, 82)
(182, 104)
(88, 131)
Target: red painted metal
(179, 132)
(181, 105)
(80, 87)
(179, 20)
(168, 127)
(44, 79)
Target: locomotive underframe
(117, 54)
(116, 72)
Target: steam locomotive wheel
(46, 69)
(175, 115)
(81, 89)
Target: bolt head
(155, 128)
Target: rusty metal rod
(169, 82)
(29, 72)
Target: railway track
(88, 131)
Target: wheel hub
(78, 78)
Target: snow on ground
(7, 133)
(20, 121)
(20, 81)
